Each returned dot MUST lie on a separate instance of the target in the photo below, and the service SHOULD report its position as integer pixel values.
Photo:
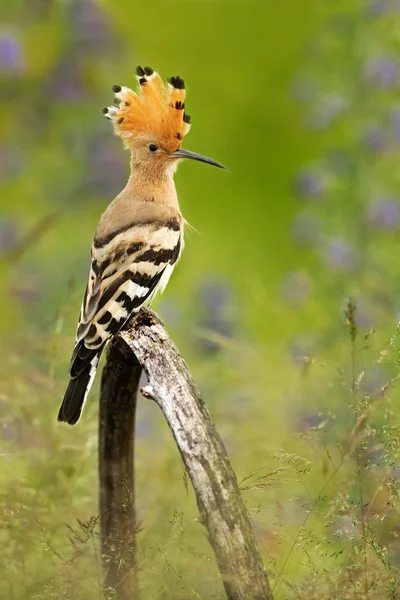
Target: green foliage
(285, 307)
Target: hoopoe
(139, 238)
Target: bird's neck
(152, 186)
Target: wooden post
(119, 385)
(220, 504)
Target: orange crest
(156, 109)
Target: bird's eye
(153, 148)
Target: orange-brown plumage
(156, 109)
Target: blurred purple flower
(107, 167)
(11, 59)
(25, 294)
(309, 184)
(375, 139)
(90, 26)
(30, 287)
(296, 288)
(215, 299)
(215, 294)
(301, 349)
(364, 313)
(379, 8)
(170, 310)
(395, 123)
(382, 71)
(66, 83)
(375, 378)
(8, 235)
(307, 419)
(339, 255)
(384, 214)
(306, 229)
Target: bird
(140, 236)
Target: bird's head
(153, 122)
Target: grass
(301, 382)
(324, 508)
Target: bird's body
(139, 238)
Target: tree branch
(119, 385)
(218, 496)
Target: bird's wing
(127, 269)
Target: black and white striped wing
(125, 273)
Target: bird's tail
(77, 391)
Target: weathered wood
(119, 384)
(218, 496)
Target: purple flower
(384, 214)
(375, 378)
(375, 139)
(90, 26)
(26, 295)
(296, 288)
(11, 60)
(379, 8)
(364, 316)
(216, 297)
(66, 83)
(309, 184)
(8, 235)
(29, 288)
(306, 228)
(107, 168)
(171, 311)
(395, 123)
(307, 419)
(382, 71)
(301, 349)
(216, 300)
(339, 255)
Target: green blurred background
(301, 101)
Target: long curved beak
(182, 153)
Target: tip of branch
(148, 392)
